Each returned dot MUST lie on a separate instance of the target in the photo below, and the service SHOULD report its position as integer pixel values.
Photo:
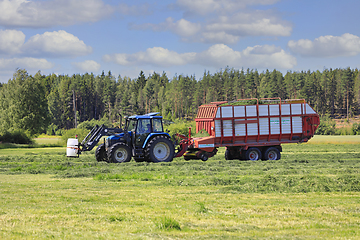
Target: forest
(36, 103)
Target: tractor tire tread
(150, 145)
(113, 149)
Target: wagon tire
(228, 155)
(100, 153)
(119, 153)
(253, 154)
(272, 153)
(160, 149)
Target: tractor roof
(149, 115)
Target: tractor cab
(141, 127)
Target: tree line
(33, 103)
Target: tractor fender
(151, 135)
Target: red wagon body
(252, 131)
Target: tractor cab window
(157, 125)
(143, 130)
(144, 126)
(131, 125)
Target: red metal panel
(233, 125)
(291, 122)
(206, 111)
(280, 121)
(222, 126)
(258, 121)
(246, 127)
(240, 121)
(269, 122)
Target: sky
(185, 37)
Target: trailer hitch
(183, 144)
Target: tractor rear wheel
(119, 153)
(253, 154)
(160, 149)
(100, 153)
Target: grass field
(47, 140)
(313, 192)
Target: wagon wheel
(228, 155)
(253, 154)
(272, 153)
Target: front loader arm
(94, 136)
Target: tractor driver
(148, 128)
(143, 131)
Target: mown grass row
(303, 168)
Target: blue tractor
(143, 138)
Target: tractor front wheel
(119, 153)
(100, 153)
(160, 149)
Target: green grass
(167, 223)
(48, 140)
(347, 139)
(39, 142)
(313, 192)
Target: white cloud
(87, 66)
(250, 24)
(327, 46)
(11, 41)
(56, 44)
(26, 13)
(218, 55)
(181, 27)
(184, 28)
(218, 37)
(266, 56)
(26, 63)
(224, 27)
(157, 56)
(119, 58)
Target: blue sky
(177, 36)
